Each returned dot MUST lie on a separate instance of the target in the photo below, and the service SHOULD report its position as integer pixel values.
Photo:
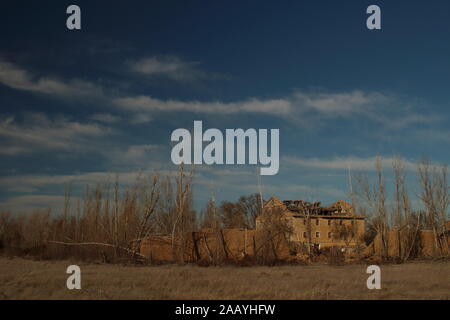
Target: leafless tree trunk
(355, 209)
(375, 198)
(434, 195)
(150, 194)
(309, 209)
(183, 182)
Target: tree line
(110, 220)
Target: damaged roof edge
(340, 208)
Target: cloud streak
(18, 78)
(335, 104)
(170, 67)
(38, 131)
(148, 104)
(343, 163)
(300, 107)
(305, 107)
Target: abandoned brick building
(333, 225)
(302, 217)
(309, 224)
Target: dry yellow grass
(27, 279)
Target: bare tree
(232, 215)
(344, 232)
(182, 206)
(251, 207)
(406, 223)
(434, 195)
(375, 199)
(166, 214)
(309, 209)
(210, 218)
(149, 195)
(355, 208)
(274, 233)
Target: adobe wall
(207, 245)
(427, 244)
(157, 248)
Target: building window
(304, 235)
(329, 235)
(317, 222)
(317, 234)
(329, 222)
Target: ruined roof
(338, 208)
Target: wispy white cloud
(12, 150)
(244, 180)
(335, 104)
(390, 111)
(302, 107)
(132, 155)
(105, 118)
(16, 77)
(129, 118)
(140, 118)
(404, 119)
(143, 104)
(32, 183)
(291, 191)
(39, 131)
(343, 163)
(171, 67)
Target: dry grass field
(28, 279)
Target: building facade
(310, 223)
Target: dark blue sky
(78, 105)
